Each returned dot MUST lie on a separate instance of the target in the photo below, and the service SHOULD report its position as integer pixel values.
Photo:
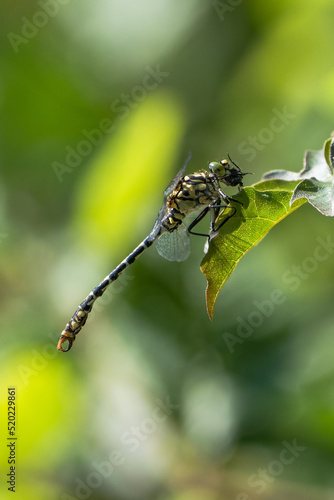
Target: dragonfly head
(227, 172)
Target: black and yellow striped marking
(80, 316)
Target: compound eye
(214, 166)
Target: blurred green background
(100, 103)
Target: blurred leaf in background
(112, 202)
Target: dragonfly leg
(196, 221)
(215, 229)
(236, 201)
(228, 200)
(214, 209)
(214, 213)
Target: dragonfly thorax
(191, 193)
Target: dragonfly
(185, 195)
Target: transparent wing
(174, 246)
(157, 225)
(172, 185)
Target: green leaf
(315, 179)
(263, 205)
(128, 171)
